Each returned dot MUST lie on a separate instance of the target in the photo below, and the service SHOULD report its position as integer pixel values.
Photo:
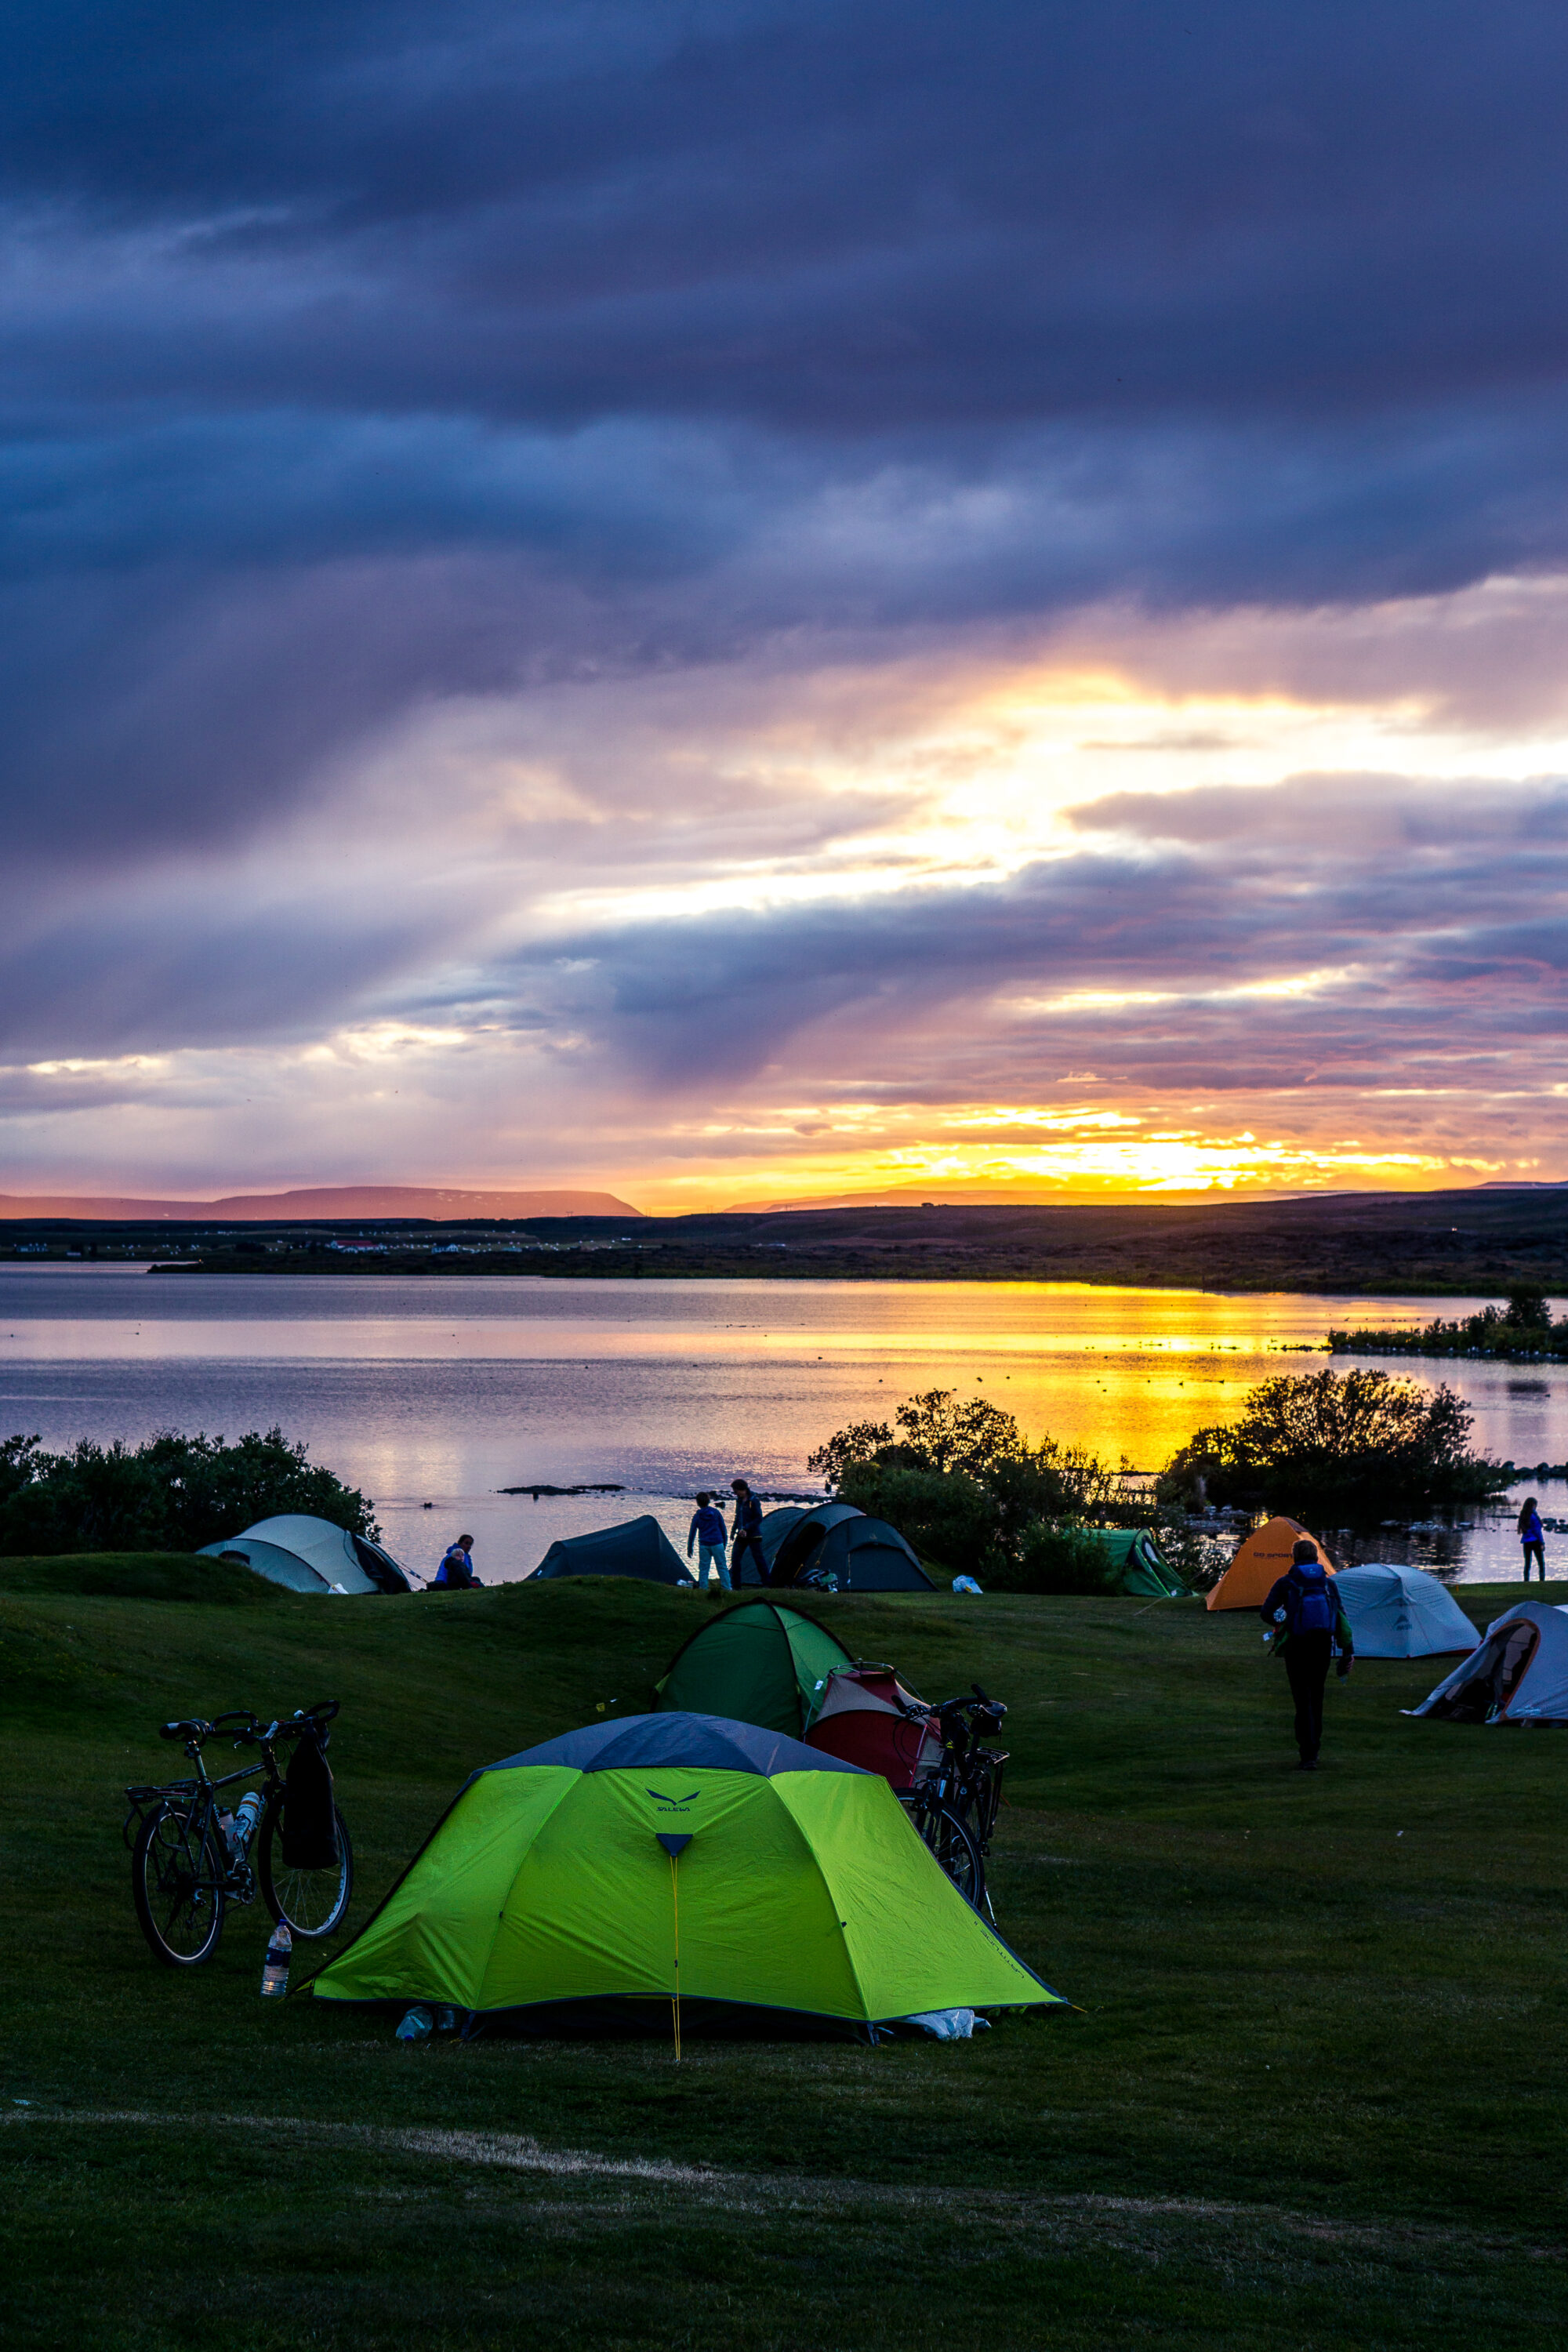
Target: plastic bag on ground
(949, 2024)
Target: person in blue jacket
(1532, 1535)
(456, 1573)
(1310, 1625)
(707, 1531)
(747, 1542)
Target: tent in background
(635, 1547)
(1136, 1565)
(1264, 1556)
(789, 1537)
(868, 1718)
(760, 1663)
(863, 1555)
(1402, 1612)
(312, 1555)
(577, 1871)
(1519, 1674)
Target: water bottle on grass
(275, 1966)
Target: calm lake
(443, 1391)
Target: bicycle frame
(197, 1800)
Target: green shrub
(1343, 1449)
(1053, 1556)
(950, 1518)
(173, 1494)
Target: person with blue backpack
(708, 1531)
(1310, 1626)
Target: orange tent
(1262, 1557)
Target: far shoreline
(1474, 1243)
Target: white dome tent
(1402, 1612)
(312, 1555)
(1519, 1674)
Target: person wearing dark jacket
(746, 1541)
(1310, 1625)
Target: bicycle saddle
(192, 1729)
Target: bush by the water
(1523, 1328)
(961, 1483)
(1339, 1449)
(174, 1494)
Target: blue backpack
(1309, 1607)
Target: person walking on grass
(1311, 1624)
(707, 1531)
(1532, 1535)
(746, 1543)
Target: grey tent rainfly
(312, 1555)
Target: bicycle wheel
(956, 1851)
(310, 1902)
(177, 1882)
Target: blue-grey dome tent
(636, 1547)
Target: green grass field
(1315, 2096)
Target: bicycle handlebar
(247, 1729)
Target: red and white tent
(868, 1718)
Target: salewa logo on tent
(676, 1804)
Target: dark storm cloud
(1461, 939)
(155, 978)
(359, 356)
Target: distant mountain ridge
(327, 1202)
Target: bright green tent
(654, 1853)
(757, 1663)
(1135, 1565)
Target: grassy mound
(1314, 2097)
(138, 1576)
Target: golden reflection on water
(1122, 1370)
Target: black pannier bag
(309, 1840)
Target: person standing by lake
(747, 1542)
(1532, 1535)
(1310, 1623)
(707, 1531)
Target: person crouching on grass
(1311, 1624)
(707, 1531)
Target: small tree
(950, 1520)
(1357, 1447)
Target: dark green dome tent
(835, 1548)
(862, 1555)
(1135, 1564)
(758, 1663)
(656, 1859)
(636, 1547)
(790, 1535)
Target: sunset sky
(746, 602)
